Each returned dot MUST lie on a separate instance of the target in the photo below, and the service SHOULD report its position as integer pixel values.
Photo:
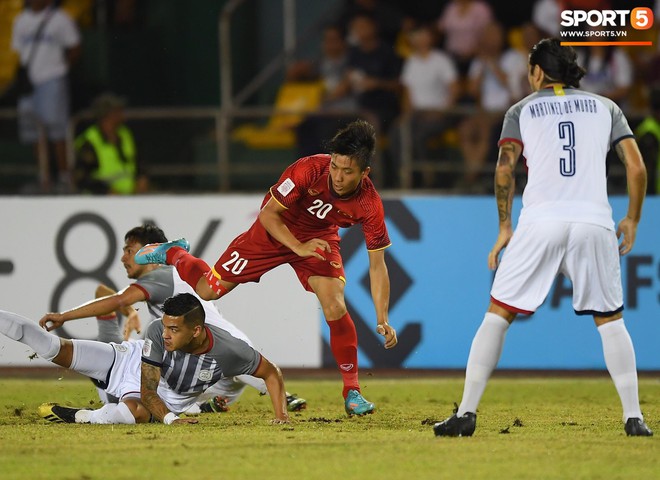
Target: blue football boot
(356, 404)
(157, 252)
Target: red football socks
(343, 342)
(190, 268)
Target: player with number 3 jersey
(565, 225)
(298, 224)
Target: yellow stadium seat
(8, 58)
(81, 11)
(515, 39)
(294, 100)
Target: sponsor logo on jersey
(205, 375)
(313, 192)
(285, 187)
(347, 367)
(120, 348)
(335, 264)
(146, 348)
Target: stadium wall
(56, 250)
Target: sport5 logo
(640, 18)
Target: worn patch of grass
(527, 428)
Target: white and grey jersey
(186, 373)
(565, 134)
(157, 285)
(164, 282)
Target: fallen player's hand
(132, 323)
(279, 421)
(188, 420)
(386, 330)
(51, 321)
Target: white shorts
(588, 255)
(125, 376)
(114, 367)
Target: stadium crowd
(442, 83)
(435, 77)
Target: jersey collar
(209, 335)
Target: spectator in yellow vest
(106, 161)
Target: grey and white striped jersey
(187, 373)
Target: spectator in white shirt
(494, 81)
(430, 87)
(48, 43)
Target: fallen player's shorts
(114, 367)
(255, 252)
(588, 255)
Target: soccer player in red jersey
(298, 224)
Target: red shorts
(255, 252)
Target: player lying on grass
(153, 285)
(298, 225)
(565, 225)
(180, 340)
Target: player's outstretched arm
(505, 186)
(272, 375)
(380, 294)
(271, 218)
(150, 377)
(94, 308)
(630, 156)
(132, 317)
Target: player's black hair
(558, 62)
(144, 234)
(185, 304)
(356, 140)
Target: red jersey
(313, 210)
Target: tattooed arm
(504, 188)
(629, 154)
(150, 399)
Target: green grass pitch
(527, 428)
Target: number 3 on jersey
(320, 209)
(567, 133)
